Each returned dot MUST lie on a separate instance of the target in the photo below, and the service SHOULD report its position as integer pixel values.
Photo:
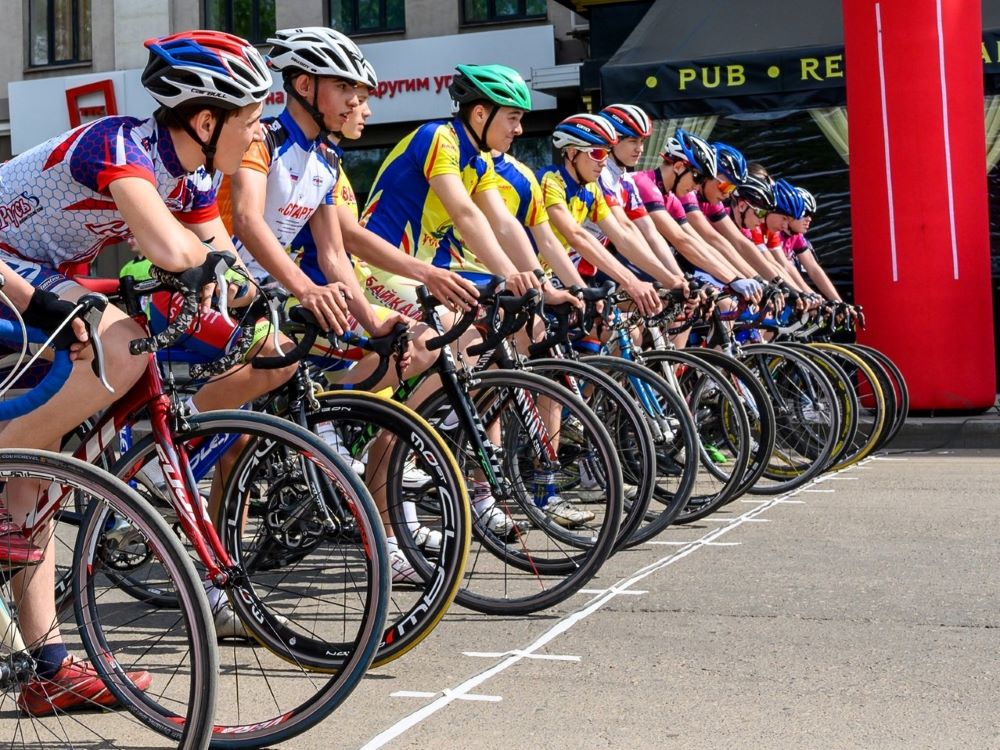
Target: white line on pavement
(562, 626)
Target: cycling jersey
(304, 246)
(300, 179)
(55, 203)
(694, 201)
(582, 201)
(404, 211)
(656, 197)
(618, 188)
(520, 191)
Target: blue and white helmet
(697, 152)
(787, 200)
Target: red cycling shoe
(76, 685)
(16, 551)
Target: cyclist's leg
(80, 397)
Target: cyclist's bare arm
(788, 271)
(214, 233)
(701, 225)
(369, 247)
(249, 191)
(633, 246)
(818, 276)
(508, 232)
(657, 244)
(471, 224)
(553, 253)
(600, 257)
(689, 244)
(747, 249)
(163, 240)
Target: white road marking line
(499, 654)
(562, 626)
(598, 592)
(471, 696)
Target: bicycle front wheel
(160, 665)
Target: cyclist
(571, 195)
(105, 182)
(686, 162)
(633, 127)
(438, 183)
(802, 250)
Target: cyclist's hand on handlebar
(454, 292)
(749, 289)
(555, 296)
(645, 296)
(385, 327)
(329, 304)
(519, 283)
(46, 312)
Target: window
(367, 16)
(251, 19)
(495, 11)
(58, 32)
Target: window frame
(383, 27)
(50, 35)
(492, 18)
(258, 36)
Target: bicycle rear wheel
(537, 563)
(162, 666)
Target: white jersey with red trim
(55, 204)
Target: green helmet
(495, 83)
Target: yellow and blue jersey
(520, 191)
(582, 201)
(403, 210)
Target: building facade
(78, 59)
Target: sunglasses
(699, 178)
(597, 154)
(760, 213)
(725, 187)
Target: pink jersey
(693, 201)
(794, 245)
(655, 197)
(55, 204)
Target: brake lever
(91, 308)
(222, 289)
(274, 313)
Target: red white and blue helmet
(685, 146)
(808, 200)
(787, 200)
(205, 67)
(629, 120)
(584, 131)
(732, 164)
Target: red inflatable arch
(918, 194)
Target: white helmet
(320, 51)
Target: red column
(918, 194)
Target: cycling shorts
(400, 293)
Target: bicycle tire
(410, 620)
(511, 577)
(111, 644)
(675, 436)
(326, 670)
(625, 422)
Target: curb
(930, 433)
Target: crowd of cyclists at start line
(450, 208)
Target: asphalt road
(861, 612)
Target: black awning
(728, 56)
